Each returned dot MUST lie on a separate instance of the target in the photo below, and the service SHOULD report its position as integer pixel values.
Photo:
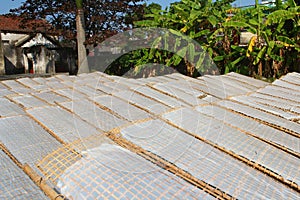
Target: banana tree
(197, 19)
(271, 48)
(80, 27)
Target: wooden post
(2, 62)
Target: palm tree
(80, 27)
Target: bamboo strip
(38, 180)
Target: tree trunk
(2, 63)
(82, 57)
(190, 68)
(260, 69)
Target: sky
(6, 5)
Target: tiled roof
(19, 24)
(168, 137)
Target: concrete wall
(14, 63)
(41, 58)
(13, 59)
(2, 64)
(66, 60)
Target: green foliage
(79, 4)
(216, 26)
(277, 30)
(199, 20)
(133, 64)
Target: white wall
(39, 39)
(12, 36)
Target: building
(270, 2)
(28, 47)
